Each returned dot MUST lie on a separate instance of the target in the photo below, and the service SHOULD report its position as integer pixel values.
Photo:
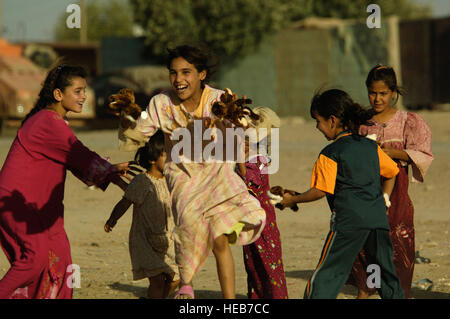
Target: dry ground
(104, 258)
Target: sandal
(185, 290)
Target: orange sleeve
(388, 168)
(324, 174)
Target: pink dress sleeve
(55, 140)
(417, 137)
(149, 121)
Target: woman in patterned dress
(406, 138)
(211, 204)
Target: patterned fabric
(208, 198)
(263, 258)
(152, 249)
(407, 131)
(32, 180)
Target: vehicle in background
(145, 81)
(20, 84)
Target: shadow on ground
(306, 275)
(416, 293)
(140, 292)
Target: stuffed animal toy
(123, 104)
(276, 196)
(234, 109)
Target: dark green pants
(337, 258)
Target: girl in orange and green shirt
(347, 172)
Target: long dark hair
(59, 77)
(338, 103)
(151, 151)
(387, 75)
(201, 58)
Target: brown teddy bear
(234, 109)
(276, 196)
(123, 105)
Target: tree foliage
(235, 27)
(104, 18)
(404, 9)
(228, 27)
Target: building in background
(21, 79)
(20, 82)
(425, 52)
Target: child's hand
(287, 202)
(122, 168)
(133, 170)
(242, 169)
(110, 225)
(129, 169)
(283, 198)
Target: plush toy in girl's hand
(123, 104)
(276, 194)
(234, 109)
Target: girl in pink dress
(32, 180)
(212, 207)
(406, 138)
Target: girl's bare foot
(185, 292)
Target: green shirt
(349, 171)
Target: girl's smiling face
(185, 79)
(325, 126)
(73, 96)
(380, 96)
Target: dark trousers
(338, 255)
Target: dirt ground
(104, 257)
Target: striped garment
(208, 199)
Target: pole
(83, 31)
(1, 18)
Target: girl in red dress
(406, 138)
(32, 180)
(263, 258)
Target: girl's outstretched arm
(397, 154)
(311, 195)
(118, 211)
(388, 185)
